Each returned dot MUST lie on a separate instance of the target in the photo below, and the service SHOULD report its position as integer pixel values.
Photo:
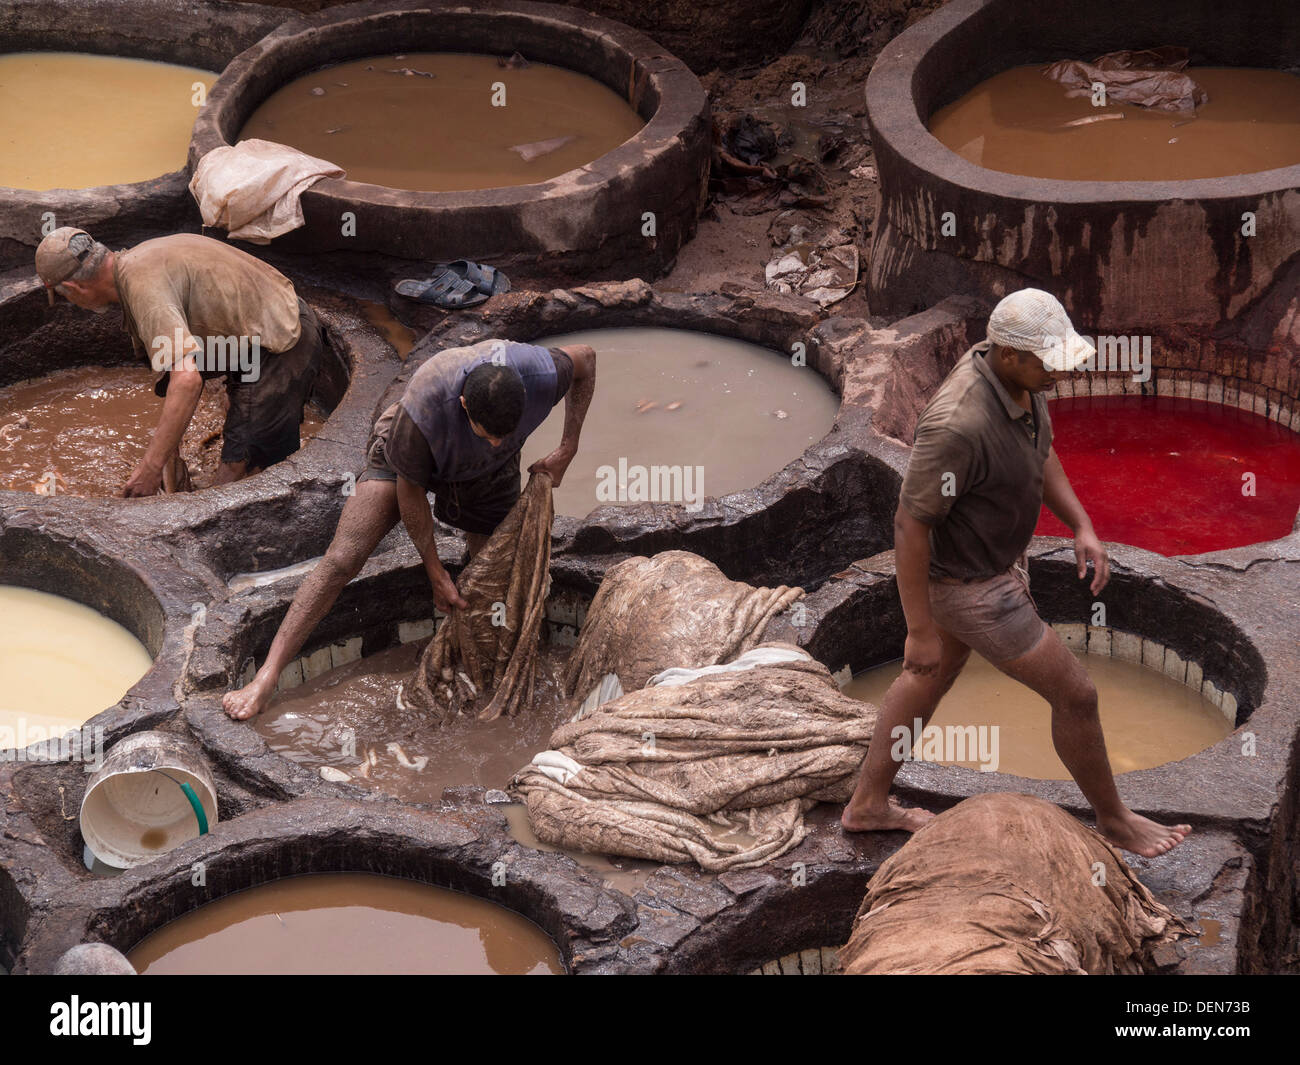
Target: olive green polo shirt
(976, 472)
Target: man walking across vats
(457, 433)
(196, 309)
(981, 468)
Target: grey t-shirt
(976, 472)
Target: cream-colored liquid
(1148, 719)
(70, 120)
(61, 663)
(443, 132)
(1015, 122)
(678, 398)
(346, 924)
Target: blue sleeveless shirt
(432, 401)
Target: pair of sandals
(456, 285)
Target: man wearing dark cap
(456, 433)
(197, 309)
(981, 469)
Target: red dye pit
(1168, 474)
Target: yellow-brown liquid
(675, 397)
(83, 431)
(345, 924)
(443, 133)
(70, 120)
(1015, 122)
(61, 663)
(1148, 719)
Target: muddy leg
(366, 519)
(910, 697)
(1055, 674)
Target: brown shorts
(263, 422)
(995, 618)
(476, 506)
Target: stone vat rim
(681, 98)
(894, 119)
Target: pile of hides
(251, 189)
(1150, 78)
(675, 609)
(1007, 883)
(715, 765)
(482, 653)
(823, 275)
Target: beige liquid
(674, 397)
(90, 426)
(1015, 122)
(443, 133)
(61, 663)
(1148, 719)
(69, 121)
(347, 924)
(338, 718)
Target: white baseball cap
(1033, 320)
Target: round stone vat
(87, 568)
(1125, 256)
(623, 214)
(334, 704)
(796, 527)
(1161, 615)
(462, 850)
(306, 488)
(199, 33)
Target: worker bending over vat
(197, 309)
(456, 433)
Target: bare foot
(893, 818)
(248, 700)
(1140, 835)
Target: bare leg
(366, 519)
(1055, 674)
(910, 697)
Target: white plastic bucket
(153, 792)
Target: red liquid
(1166, 474)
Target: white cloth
(759, 656)
(251, 189)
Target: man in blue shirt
(456, 433)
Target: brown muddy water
(82, 431)
(1015, 122)
(440, 121)
(345, 924)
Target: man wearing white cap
(982, 466)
